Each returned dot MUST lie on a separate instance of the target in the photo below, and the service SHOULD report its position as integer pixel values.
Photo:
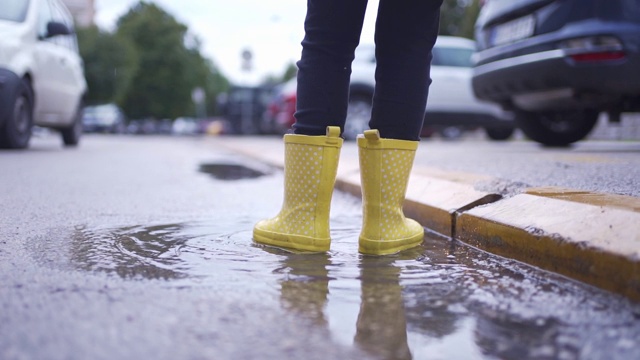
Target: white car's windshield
(14, 10)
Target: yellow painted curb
(574, 233)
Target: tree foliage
(290, 72)
(458, 17)
(204, 74)
(467, 28)
(110, 63)
(149, 66)
(161, 87)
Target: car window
(44, 16)
(14, 10)
(451, 56)
(60, 14)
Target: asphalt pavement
(140, 247)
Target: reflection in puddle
(147, 252)
(305, 285)
(230, 171)
(381, 328)
(194, 250)
(441, 300)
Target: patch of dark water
(222, 171)
(442, 300)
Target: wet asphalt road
(130, 248)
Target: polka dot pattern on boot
(385, 172)
(302, 181)
(395, 168)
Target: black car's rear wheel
(499, 134)
(559, 128)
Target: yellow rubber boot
(310, 167)
(385, 165)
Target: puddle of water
(222, 171)
(441, 300)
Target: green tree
(109, 62)
(457, 17)
(290, 72)
(204, 74)
(169, 69)
(467, 27)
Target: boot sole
(388, 247)
(290, 241)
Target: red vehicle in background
(278, 118)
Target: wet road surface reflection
(442, 300)
(230, 171)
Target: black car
(244, 106)
(559, 63)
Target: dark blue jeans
(404, 36)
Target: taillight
(594, 49)
(599, 56)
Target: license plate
(513, 30)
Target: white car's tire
(71, 134)
(16, 132)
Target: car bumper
(551, 79)
(554, 78)
(8, 84)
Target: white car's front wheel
(16, 132)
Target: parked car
(106, 118)
(559, 63)
(185, 126)
(451, 100)
(278, 116)
(41, 73)
(244, 106)
(146, 126)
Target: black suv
(559, 63)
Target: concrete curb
(590, 237)
(586, 236)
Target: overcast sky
(271, 29)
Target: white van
(41, 73)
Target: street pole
(246, 118)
